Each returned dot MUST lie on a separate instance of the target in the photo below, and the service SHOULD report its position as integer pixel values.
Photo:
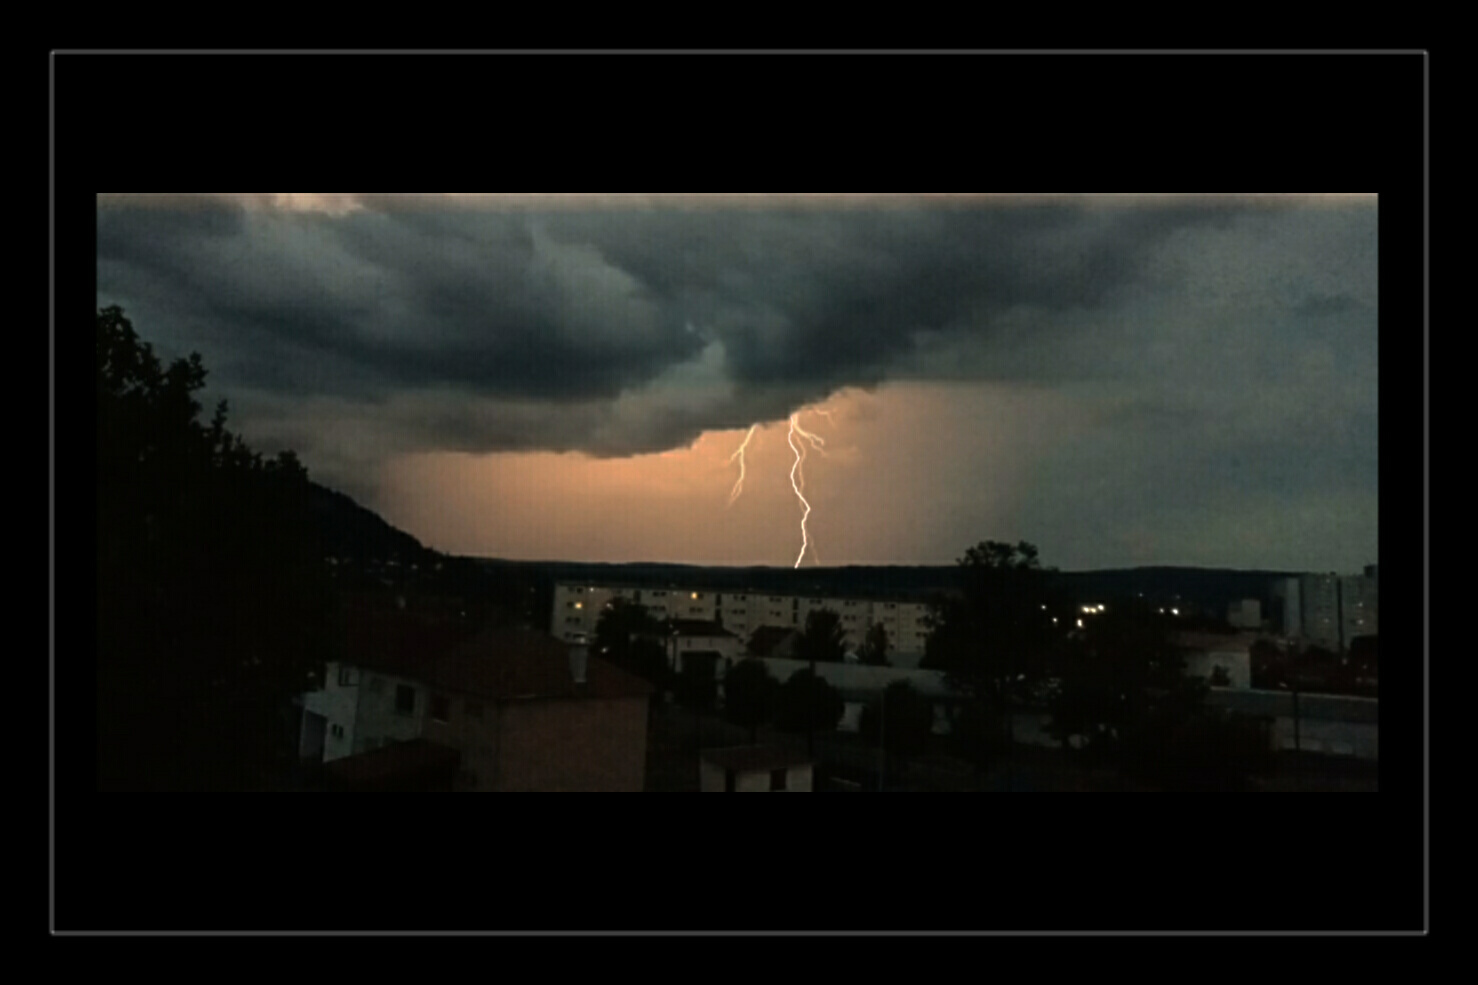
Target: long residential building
(577, 608)
(1329, 609)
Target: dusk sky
(1121, 380)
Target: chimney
(579, 652)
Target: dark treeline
(216, 595)
(1205, 588)
(213, 601)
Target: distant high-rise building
(1328, 610)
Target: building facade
(577, 608)
(523, 711)
(1328, 610)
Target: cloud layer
(1228, 341)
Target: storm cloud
(763, 311)
(1231, 339)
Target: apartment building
(577, 608)
(1329, 609)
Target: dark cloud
(774, 307)
(1184, 375)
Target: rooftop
(500, 663)
(762, 641)
(697, 627)
(506, 664)
(396, 642)
(399, 765)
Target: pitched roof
(395, 765)
(762, 641)
(697, 627)
(394, 641)
(512, 663)
(754, 758)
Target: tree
(627, 635)
(875, 647)
(749, 694)
(978, 737)
(903, 720)
(823, 640)
(995, 637)
(1205, 749)
(213, 598)
(1124, 695)
(806, 702)
(696, 684)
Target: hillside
(352, 532)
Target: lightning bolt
(797, 473)
(739, 454)
(798, 478)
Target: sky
(1121, 380)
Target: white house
(358, 710)
(755, 769)
(577, 607)
(691, 636)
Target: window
(405, 699)
(777, 779)
(337, 731)
(348, 676)
(441, 708)
(474, 709)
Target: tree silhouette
(1123, 669)
(749, 695)
(806, 702)
(627, 635)
(823, 640)
(875, 647)
(213, 598)
(994, 639)
(903, 719)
